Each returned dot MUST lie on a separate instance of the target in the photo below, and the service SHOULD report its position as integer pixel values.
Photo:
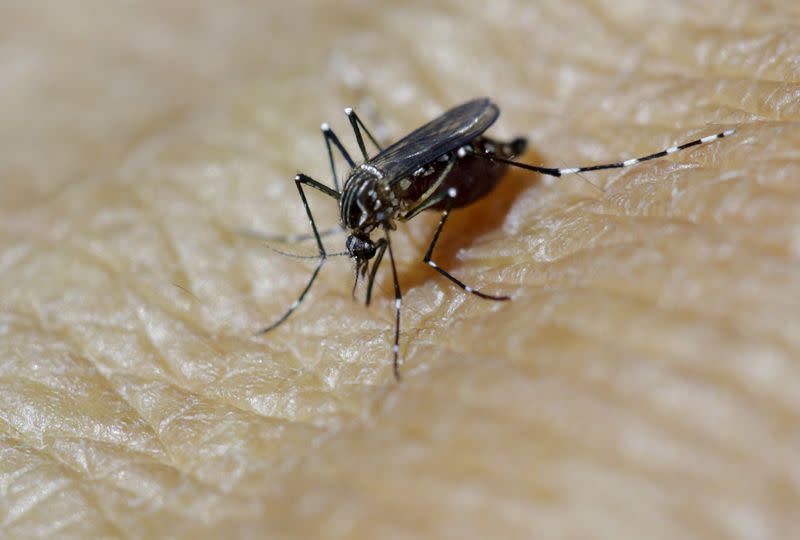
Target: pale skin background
(643, 383)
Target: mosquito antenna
(288, 238)
(302, 256)
(265, 239)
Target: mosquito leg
(381, 248)
(452, 193)
(398, 300)
(618, 165)
(300, 180)
(297, 302)
(355, 122)
(330, 137)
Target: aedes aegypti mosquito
(446, 164)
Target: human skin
(642, 383)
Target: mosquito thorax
(367, 200)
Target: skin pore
(641, 382)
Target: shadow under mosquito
(463, 228)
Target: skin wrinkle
(157, 431)
(638, 348)
(71, 478)
(639, 384)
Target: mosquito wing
(443, 134)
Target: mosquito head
(360, 247)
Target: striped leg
(452, 193)
(380, 248)
(300, 180)
(330, 137)
(618, 165)
(398, 301)
(355, 122)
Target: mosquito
(446, 164)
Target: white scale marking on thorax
(374, 171)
